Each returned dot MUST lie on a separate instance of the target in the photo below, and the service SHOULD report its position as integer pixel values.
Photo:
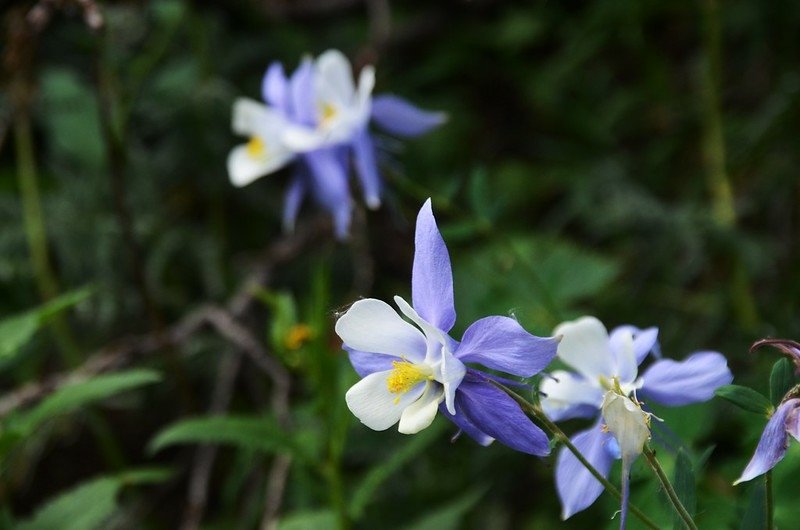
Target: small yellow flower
(297, 336)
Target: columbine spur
(413, 368)
(318, 119)
(603, 362)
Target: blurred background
(634, 160)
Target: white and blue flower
(318, 120)
(604, 362)
(412, 368)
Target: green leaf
(378, 474)
(321, 520)
(745, 398)
(18, 330)
(754, 517)
(555, 274)
(259, 433)
(781, 380)
(72, 397)
(88, 505)
(72, 118)
(450, 515)
(684, 482)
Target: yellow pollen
(328, 112)
(405, 376)
(297, 335)
(256, 148)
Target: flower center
(406, 375)
(328, 113)
(256, 148)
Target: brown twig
(115, 356)
(205, 456)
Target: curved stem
(561, 436)
(683, 513)
(769, 509)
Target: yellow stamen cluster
(328, 112)
(405, 376)
(297, 335)
(256, 148)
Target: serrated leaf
(70, 398)
(745, 398)
(781, 380)
(449, 516)
(320, 520)
(18, 330)
(684, 482)
(259, 433)
(87, 505)
(381, 472)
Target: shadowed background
(631, 160)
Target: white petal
(251, 118)
(626, 369)
(303, 139)
(451, 374)
(366, 82)
(421, 413)
(244, 168)
(371, 402)
(436, 336)
(566, 389)
(372, 326)
(584, 346)
(334, 78)
(446, 368)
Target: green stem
(556, 431)
(683, 513)
(723, 206)
(36, 232)
(769, 509)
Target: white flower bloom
(266, 151)
(342, 108)
(586, 346)
(423, 370)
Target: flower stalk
(562, 437)
(683, 513)
(769, 509)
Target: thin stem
(768, 499)
(683, 513)
(723, 206)
(556, 431)
(36, 232)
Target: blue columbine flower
(605, 362)
(318, 120)
(412, 368)
(784, 422)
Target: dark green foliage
(781, 380)
(745, 398)
(576, 175)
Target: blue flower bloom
(784, 422)
(318, 120)
(412, 368)
(774, 442)
(604, 362)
